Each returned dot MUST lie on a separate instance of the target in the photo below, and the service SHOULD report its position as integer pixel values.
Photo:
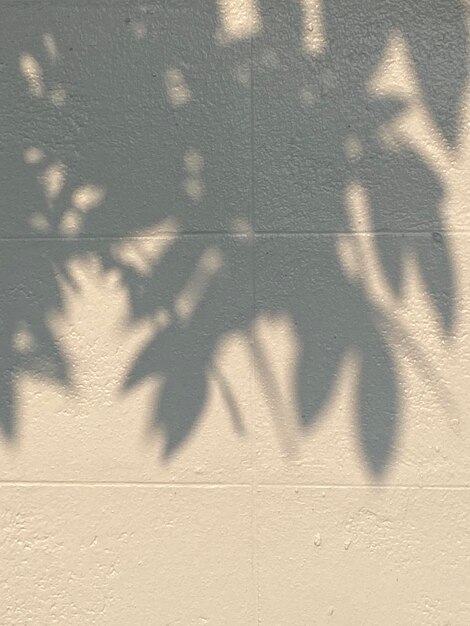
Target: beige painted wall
(235, 313)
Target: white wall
(235, 312)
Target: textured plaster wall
(234, 312)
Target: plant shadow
(229, 159)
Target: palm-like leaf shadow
(192, 138)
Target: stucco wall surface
(234, 312)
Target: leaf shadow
(249, 147)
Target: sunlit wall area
(234, 312)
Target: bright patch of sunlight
(58, 96)
(395, 76)
(144, 252)
(52, 180)
(39, 223)
(94, 317)
(277, 350)
(178, 92)
(360, 257)
(193, 183)
(193, 161)
(314, 38)
(240, 226)
(161, 320)
(32, 72)
(83, 199)
(194, 188)
(87, 197)
(24, 340)
(71, 223)
(192, 294)
(50, 45)
(276, 369)
(33, 155)
(347, 252)
(239, 19)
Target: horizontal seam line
(73, 483)
(229, 235)
(260, 486)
